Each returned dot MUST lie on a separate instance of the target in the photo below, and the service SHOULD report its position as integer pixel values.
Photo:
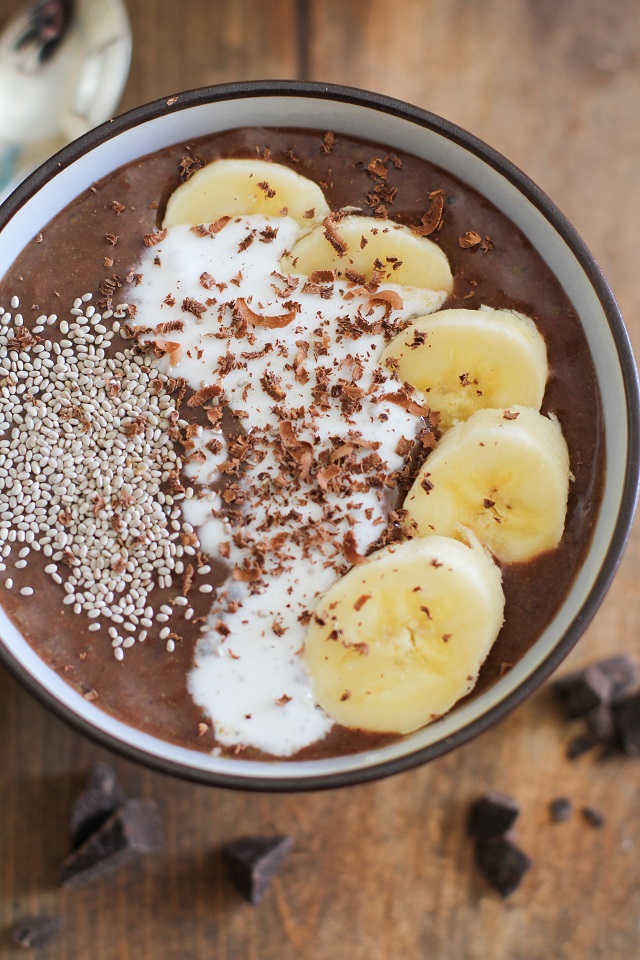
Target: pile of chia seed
(84, 456)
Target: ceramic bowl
(379, 119)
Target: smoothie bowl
(319, 435)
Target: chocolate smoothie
(86, 264)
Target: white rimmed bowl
(378, 119)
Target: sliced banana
(465, 360)
(504, 474)
(358, 244)
(398, 640)
(237, 188)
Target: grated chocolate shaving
(322, 276)
(262, 320)
(272, 385)
(172, 349)
(326, 475)
(187, 579)
(328, 143)
(152, 239)
(350, 549)
(432, 220)
(470, 239)
(360, 602)
(246, 242)
(191, 305)
(217, 226)
(377, 168)
(333, 235)
(189, 166)
(390, 299)
(403, 399)
(300, 450)
(268, 234)
(200, 397)
(170, 326)
(249, 572)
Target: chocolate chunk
(622, 673)
(580, 744)
(102, 797)
(592, 816)
(626, 717)
(35, 931)
(583, 690)
(133, 828)
(606, 682)
(602, 725)
(560, 809)
(254, 861)
(502, 862)
(492, 815)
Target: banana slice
(398, 640)
(465, 360)
(356, 243)
(504, 474)
(236, 188)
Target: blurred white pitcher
(63, 67)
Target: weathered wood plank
(383, 870)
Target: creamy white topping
(312, 478)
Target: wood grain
(385, 870)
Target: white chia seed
(84, 449)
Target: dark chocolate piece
(593, 816)
(254, 861)
(502, 862)
(580, 744)
(133, 828)
(626, 716)
(35, 931)
(605, 682)
(622, 673)
(602, 725)
(492, 815)
(102, 797)
(560, 809)
(582, 691)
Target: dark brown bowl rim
(423, 118)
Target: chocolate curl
(350, 549)
(260, 319)
(390, 299)
(432, 219)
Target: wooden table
(385, 870)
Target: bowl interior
(148, 129)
